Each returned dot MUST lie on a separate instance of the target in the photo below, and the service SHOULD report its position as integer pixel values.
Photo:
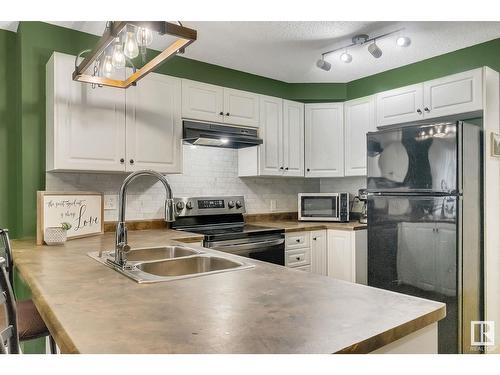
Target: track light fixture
(359, 40)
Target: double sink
(165, 263)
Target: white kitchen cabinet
(271, 132)
(205, 102)
(347, 255)
(241, 108)
(359, 119)
(201, 101)
(404, 104)
(293, 138)
(319, 252)
(85, 126)
(298, 250)
(281, 127)
(457, 93)
(324, 140)
(154, 125)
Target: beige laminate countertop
(90, 308)
(298, 226)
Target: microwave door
(319, 208)
(408, 159)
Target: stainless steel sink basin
(157, 253)
(166, 263)
(188, 266)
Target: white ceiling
(288, 51)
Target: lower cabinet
(340, 254)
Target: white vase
(55, 236)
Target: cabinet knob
(122, 160)
(419, 111)
(308, 170)
(286, 169)
(298, 258)
(426, 109)
(221, 113)
(281, 167)
(315, 238)
(227, 113)
(131, 161)
(298, 240)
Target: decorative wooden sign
(83, 210)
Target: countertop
(298, 226)
(90, 308)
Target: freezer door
(412, 249)
(416, 158)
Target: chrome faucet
(121, 245)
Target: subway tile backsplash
(206, 171)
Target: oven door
(266, 248)
(319, 207)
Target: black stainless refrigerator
(425, 221)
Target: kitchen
(268, 203)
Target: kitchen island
(90, 308)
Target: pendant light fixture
(360, 40)
(120, 45)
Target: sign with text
(82, 210)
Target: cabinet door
(458, 93)
(85, 125)
(201, 101)
(271, 131)
(293, 138)
(404, 104)
(241, 108)
(324, 140)
(318, 252)
(154, 126)
(341, 255)
(359, 119)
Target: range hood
(217, 135)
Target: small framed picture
(495, 145)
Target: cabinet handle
(131, 161)
(227, 113)
(221, 113)
(286, 169)
(419, 111)
(426, 109)
(122, 160)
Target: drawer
(298, 240)
(304, 268)
(297, 258)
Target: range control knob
(238, 204)
(189, 205)
(230, 204)
(180, 205)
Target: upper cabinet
(447, 96)
(241, 108)
(359, 119)
(85, 126)
(324, 140)
(458, 93)
(204, 102)
(281, 128)
(404, 104)
(110, 129)
(154, 125)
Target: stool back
(9, 337)
(6, 253)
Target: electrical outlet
(110, 202)
(272, 204)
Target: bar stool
(28, 324)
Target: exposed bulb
(107, 66)
(345, 57)
(118, 59)
(144, 37)
(403, 41)
(131, 49)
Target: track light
(345, 57)
(375, 50)
(324, 65)
(403, 41)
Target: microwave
(323, 207)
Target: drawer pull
(298, 258)
(298, 240)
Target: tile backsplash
(348, 184)
(207, 171)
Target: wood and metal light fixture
(122, 44)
